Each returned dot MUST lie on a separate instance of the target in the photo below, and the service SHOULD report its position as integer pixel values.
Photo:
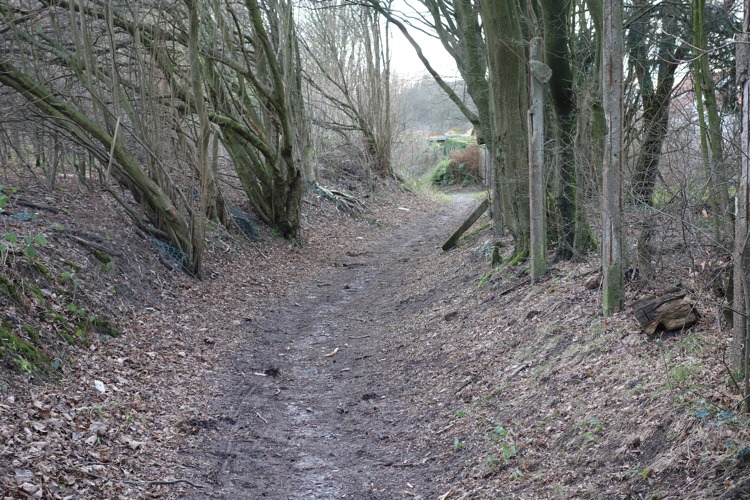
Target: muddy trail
(326, 402)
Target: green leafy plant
(637, 471)
(503, 437)
(5, 194)
(109, 267)
(78, 311)
(11, 241)
(594, 427)
(70, 276)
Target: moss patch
(8, 288)
(39, 267)
(22, 355)
(104, 326)
(102, 256)
(32, 334)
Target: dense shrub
(462, 166)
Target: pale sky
(404, 60)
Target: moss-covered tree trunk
(590, 124)
(507, 53)
(556, 15)
(256, 101)
(710, 124)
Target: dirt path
(368, 364)
(325, 403)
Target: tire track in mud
(322, 404)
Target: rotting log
(451, 242)
(37, 206)
(673, 310)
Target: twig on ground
(93, 245)
(466, 383)
(444, 429)
(518, 370)
(445, 495)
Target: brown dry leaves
(528, 393)
(119, 422)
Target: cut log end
(674, 310)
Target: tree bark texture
(741, 257)
(556, 14)
(612, 217)
(674, 310)
(710, 124)
(509, 105)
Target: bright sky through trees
(406, 64)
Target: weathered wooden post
(539, 75)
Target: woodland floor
(365, 364)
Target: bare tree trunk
(539, 76)
(741, 259)
(612, 218)
(709, 124)
(198, 223)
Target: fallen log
(451, 242)
(37, 206)
(673, 310)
